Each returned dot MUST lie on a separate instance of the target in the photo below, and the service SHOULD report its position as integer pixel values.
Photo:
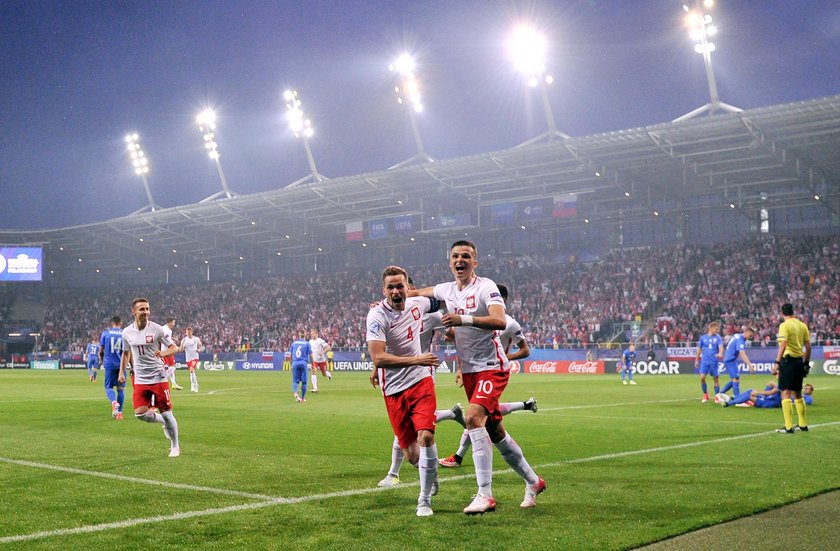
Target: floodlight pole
(207, 125)
(302, 128)
(408, 95)
(705, 48)
(141, 167)
(152, 206)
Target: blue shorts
(299, 372)
(93, 364)
(768, 401)
(112, 378)
(732, 369)
(709, 368)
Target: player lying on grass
(770, 397)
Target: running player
(301, 353)
(91, 357)
(431, 324)
(734, 350)
(510, 336)
(110, 351)
(143, 344)
(710, 349)
(191, 346)
(477, 312)
(405, 374)
(319, 357)
(170, 360)
(628, 360)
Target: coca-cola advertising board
(564, 367)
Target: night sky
(75, 77)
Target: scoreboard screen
(21, 263)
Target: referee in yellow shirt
(792, 364)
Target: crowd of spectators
(672, 292)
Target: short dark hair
(410, 281)
(464, 243)
(116, 320)
(394, 270)
(503, 291)
(169, 319)
(787, 309)
(136, 300)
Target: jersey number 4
(410, 335)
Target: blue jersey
(709, 345)
(92, 352)
(300, 351)
(628, 358)
(111, 343)
(736, 344)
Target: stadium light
(528, 49)
(701, 29)
(206, 121)
(409, 96)
(302, 128)
(140, 164)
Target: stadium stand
(675, 291)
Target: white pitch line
(350, 493)
(590, 406)
(124, 478)
(672, 419)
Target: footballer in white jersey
(145, 343)
(191, 346)
(405, 375)
(319, 357)
(477, 312)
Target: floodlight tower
(527, 49)
(206, 121)
(701, 29)
(302, 128)
(140, 163)
(408, 95)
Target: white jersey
(191, 347)
(168, 332)
(400, 331)
(512, 334)
(478, 349)
(319, 349)
(432, 322)
(148, 368)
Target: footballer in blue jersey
(770, 397)
(301, 352)
(110, 352)
(92, 359)
(627, 361)
(709, 352)
(735, 351)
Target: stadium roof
(773, 157)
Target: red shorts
(320, 365)
(412, 410)
(169, 360)
(485, 388)
(143, 395)
(191, 365)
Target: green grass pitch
(624, 465)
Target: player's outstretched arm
(523, 352)
(424, 292)
(494, 321)
(384, 360)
